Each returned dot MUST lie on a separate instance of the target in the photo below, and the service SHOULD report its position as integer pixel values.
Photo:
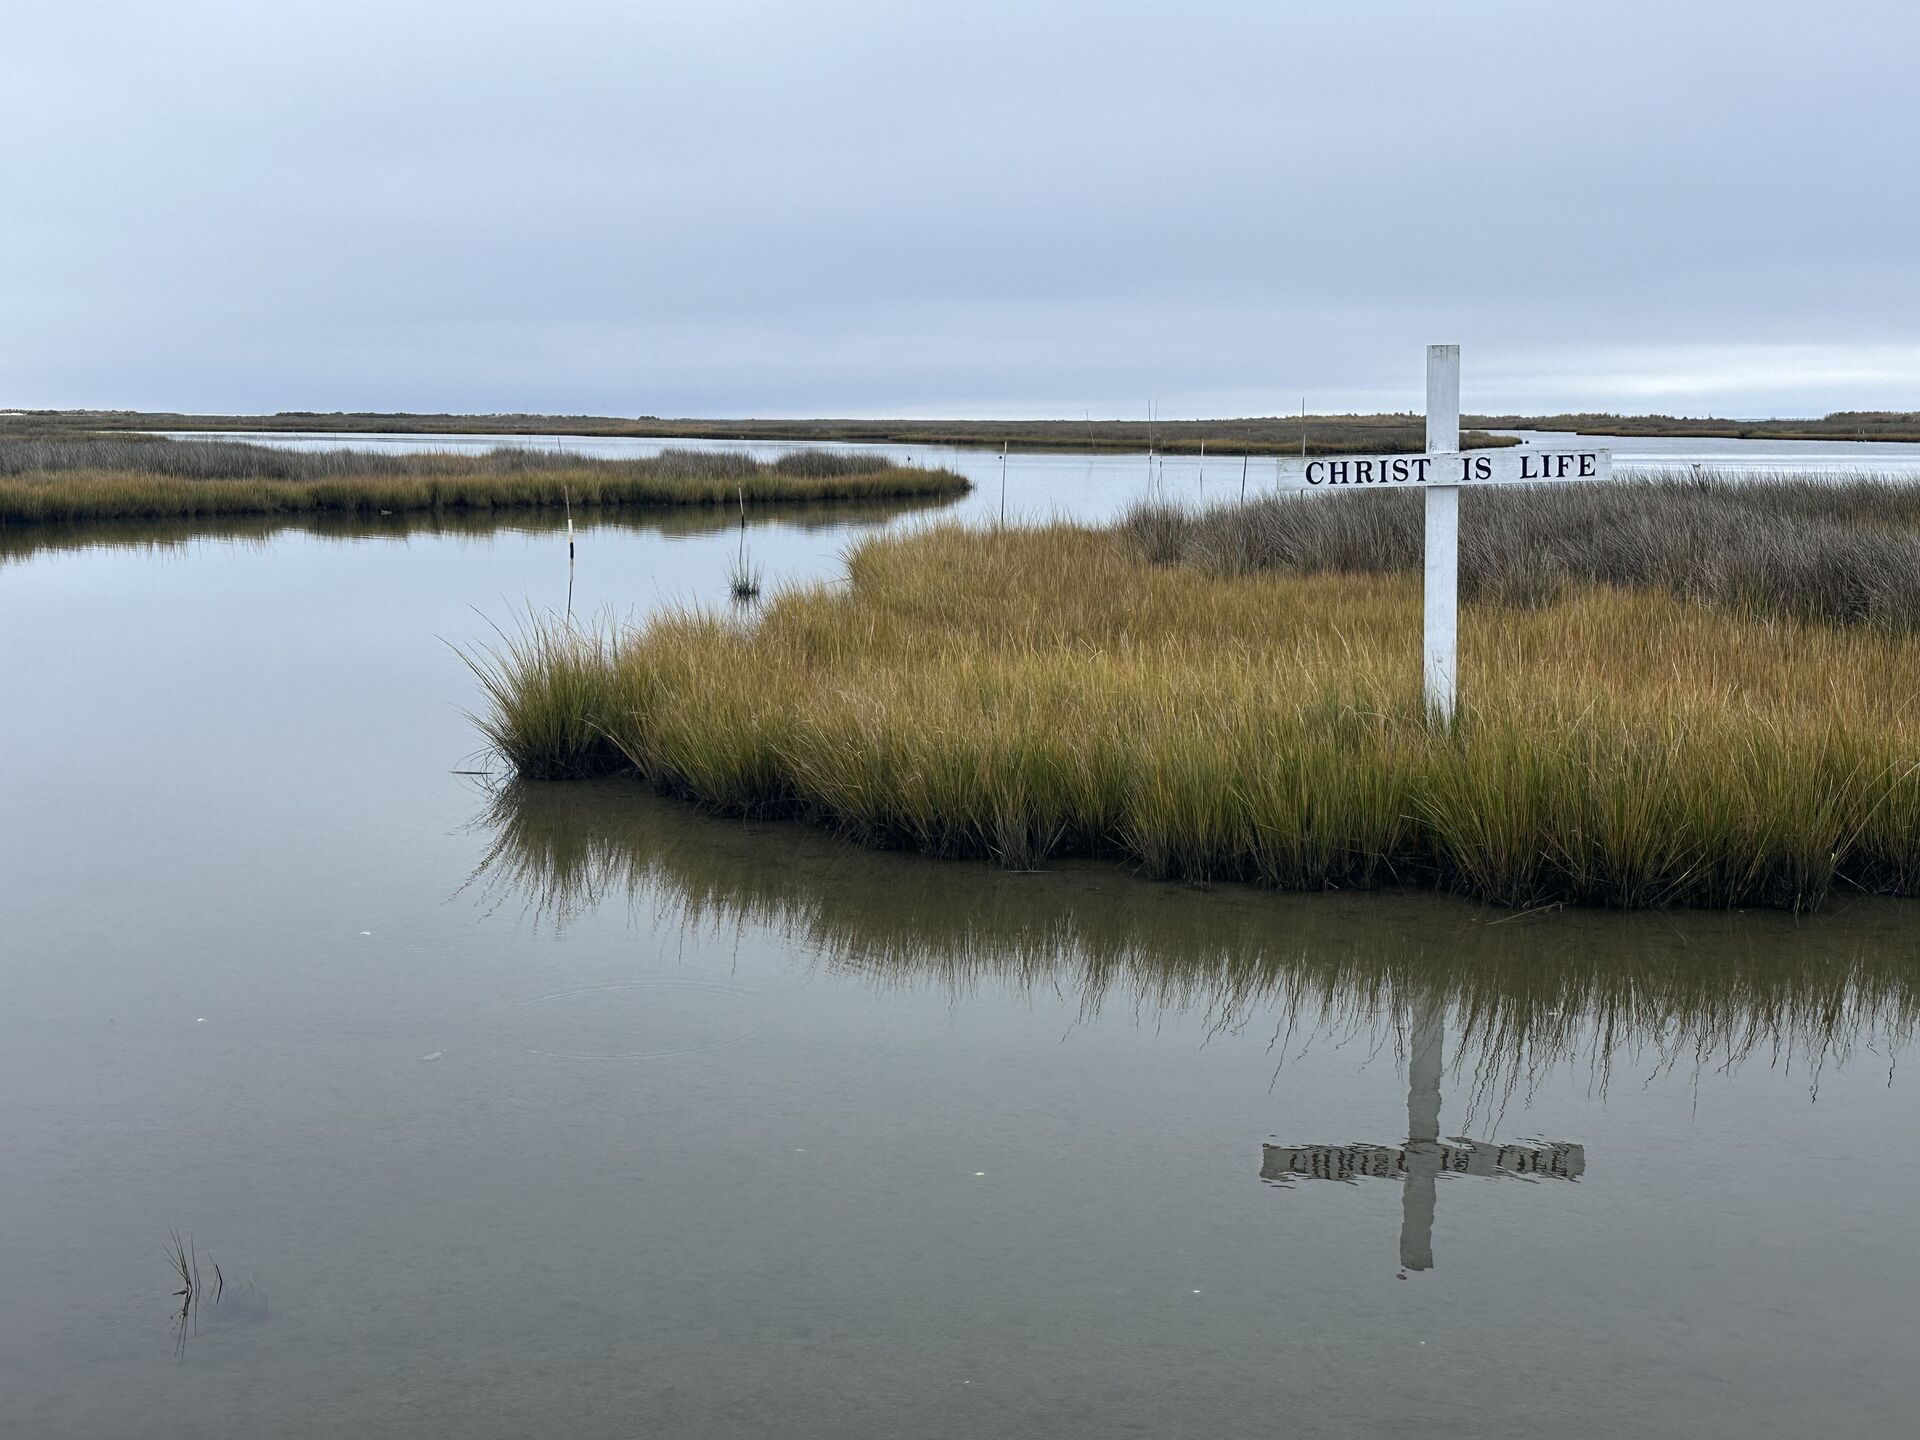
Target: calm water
(1096, 486)
(570, 1111)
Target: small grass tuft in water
(744, 579)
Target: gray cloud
(935, 208)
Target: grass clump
(66, 480)
(1023, 694)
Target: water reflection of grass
(1027, 694)
(1526, 994)
(22, 542)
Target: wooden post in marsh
(1441, 471)
(566, 495)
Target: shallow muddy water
(570, 1111)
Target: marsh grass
(239, 460)
(1851, 425)
(1024, 694)
(1816, 547)
(54, 481)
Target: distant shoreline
(1269, 435)
(1325, 434)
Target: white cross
(1441, 471)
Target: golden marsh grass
(1027, 693)
(65, 481)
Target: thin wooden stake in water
(1151, 436)
(1303, 443)
(1243, 473)
(1003, 482)
(1440, 641)
(566, 498)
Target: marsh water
(568, 1110)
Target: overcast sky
(827, 207)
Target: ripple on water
(636, 1020)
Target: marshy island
(68, 479)
(1680, 691)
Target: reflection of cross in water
(1424, 1156)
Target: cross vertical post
(1423, 1162)
(1440, 647)
(1441, 472)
